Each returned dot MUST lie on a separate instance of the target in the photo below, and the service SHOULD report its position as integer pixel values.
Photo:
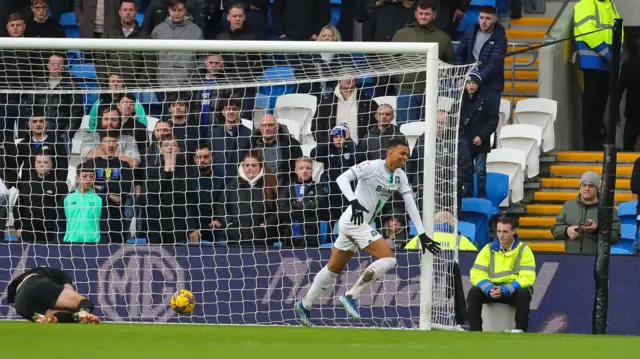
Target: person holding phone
(577, 223)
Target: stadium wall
(240, 286)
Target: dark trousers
(594, 104)
(520, 299)
(631, 132)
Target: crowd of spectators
(202, 174)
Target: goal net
(144, 167)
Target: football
(183, 301)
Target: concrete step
(543, 209)
(527, 33)
(520, 60)
(521, 75)
(534, 234)
(532, 21)
(574, 183)
(545, 246)
(522, 87)
(584, 156)
(563, 196)
(579, 170)
(545, 222)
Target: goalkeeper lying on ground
(45, 295)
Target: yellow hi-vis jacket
(594, 50)
(447, 242)
(511, 270)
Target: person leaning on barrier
(504, 272)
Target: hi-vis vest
(515, 268)
(447, 242)
(594, 50)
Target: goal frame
(431, 101)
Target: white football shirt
(376, 185)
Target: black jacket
(113, 176)
(64, 110)
(385, 18)
(629, 77)
(308, 209)
(289, 149)
(328, 109)
(374, 145)
(54, 274)
(241, 64)
(49, 28)
(187, 135)
(335, 160)
(165, 200)
(300, 19)
(133, 127)
(39, 207)
(243, 208)
(229, 149)
(205, 193)
(478, 117)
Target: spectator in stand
(84, 209)
(116, 86)
(231, 140)
(479, 119)
(135, 67)
(96, 17)
(163, 128)
(303, 204)
(164, 203)
(185, 128)
(175, 68)
(14, 6)
(350, 11)
(21, 155)
(345, 104)
(37, 214)
(42, 25)
(109, 118)
(630, 81)
(448, 168)
(134, 120)
(450, 12)
(577, 223)
(114, 184)
(486, 44)
(206, 187)
(300, 20)
(65, 106)
(257, 15)
(142, 5)
(250, 205)
(374, 145)
(15, 73)
(280, 149)
(412, 86)
(337, 155)
(394, 228)
(386, 18)
(159, 10)
(241, 65)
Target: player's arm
(409, 203)
(357, 172)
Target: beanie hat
(591, 177)
(475, 76)
(339, 130)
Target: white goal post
(271, 276)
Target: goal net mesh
(142, 173)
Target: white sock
(373, 272)
(321, 282)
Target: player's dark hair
(38, 111)
(395, 142)
(15, 17)
(175, 3)
(41, 152)
(204, 145)
(178, 97)
(128, 95)
(488, 9)
(86, 167)
(427, 4)
(126, 1)
(508, 221)
(236, 5)
(108, 133)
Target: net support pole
(428, 190)
(605, 209)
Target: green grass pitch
(20, 340)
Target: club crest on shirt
(347, 156)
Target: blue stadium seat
(325, 235)
(336, 2)
(137, 241)
(412, 229)
(139, 18)
(622, 247)
(8, 238)
(74, 57)
(271, 93)
(335, 15)
(619, 250)
(83, 71)
(468, 230)
(497, 189)
(627, 212)
(478, 212)
(70, 24)
(89, 98)
(628, 232)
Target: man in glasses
(43, 25)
